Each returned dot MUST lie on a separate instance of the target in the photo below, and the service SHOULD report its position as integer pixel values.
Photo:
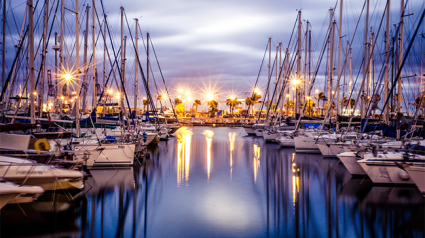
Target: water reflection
(291, 195)
(184, 137)
(256, 160)
(208, 136)
(232, 137)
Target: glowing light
(144, 98)
(67, 76)
(118, 95)
(232, 98)
(210, 96)
(35, 93)
(164, 96)
(180, 90)
(287, 95)
(183, 101)
(317, 91)
(308, 97)
(110, 91)
(296, 82)
(333, 92)
(184, 138)
(189, 98)
(187, 93)
(62, 97)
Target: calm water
(217, 182)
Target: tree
(309, 106)
(196, 104)
(145, 103)
(352, 103)
(232, 103)
(417, 102)
(212, 106)
(177, 101)
(321, 97)
(327, 105)
(180, 109)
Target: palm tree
(145, 103)
(249, 102)
(196, 104)
(177, 101)
(309, 106)
(231, 103)
(417, 102)
(352, 103)
(289, 105)
(212, 106)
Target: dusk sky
(219, 45)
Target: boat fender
(403, 175)
(41, 145)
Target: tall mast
(31, 91)
(77, 63)
(43, 61)
(269, 75)
(56, 64)
(3, 79)
(329, 56)
(147, 65)
(332, 68)
(280, 80)
(297, 89)
(60, 90)
(366, 58)
(94, 57)
(136, 69)
(400, 60)
(338, 104)
(386, 71)
(85, 84)
(104, 66)
(306, 81)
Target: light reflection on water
(289, 195)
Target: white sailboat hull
(306, 145)
(350, 161)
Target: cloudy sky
(207, 46)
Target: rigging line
(14, 61)
(404, 61)
(268, 85)
(117, 65)
(165, 85)
(255, 86)
(43, 59)
(141, 70)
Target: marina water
(219, 182)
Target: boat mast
(3, 79)
(94, 57)
(136, 70)
(329, 56)
(104, 66)
(85, 84)
(43, 61)
(306, 82)
(386, 71)
(365, 59)
(338, 104)
(400, 60)
(269, 74)
(61, 57)
(297, 89)
(31, 91)
(147, 67)
(77, 64)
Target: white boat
(14, 193)
(28, 172)
(269, 135)
(350, 161)
(286, 141)
(97, 154)
(249, 130)
(417, 173)
(306, 144)
(382, 169)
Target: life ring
(41, 145)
